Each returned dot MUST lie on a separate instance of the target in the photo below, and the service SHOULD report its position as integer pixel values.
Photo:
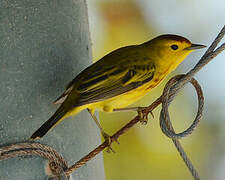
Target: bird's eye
(174, 47)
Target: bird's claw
(143, 115)
(109, 141)
(152, 114)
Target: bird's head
(171, 48)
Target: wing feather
(108, 86)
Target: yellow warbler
(120, 78)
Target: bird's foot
(143, 115)
(109, 141)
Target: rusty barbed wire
(58, 165)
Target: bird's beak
(195, 46)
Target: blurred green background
(144, 151)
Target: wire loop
(165, 122)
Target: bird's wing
(90, 74)
(113, 81)
(116, 73)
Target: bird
(119, 79)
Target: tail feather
(56, 117)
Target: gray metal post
(43, 45)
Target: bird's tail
(58, 116)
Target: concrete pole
(43, 45)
